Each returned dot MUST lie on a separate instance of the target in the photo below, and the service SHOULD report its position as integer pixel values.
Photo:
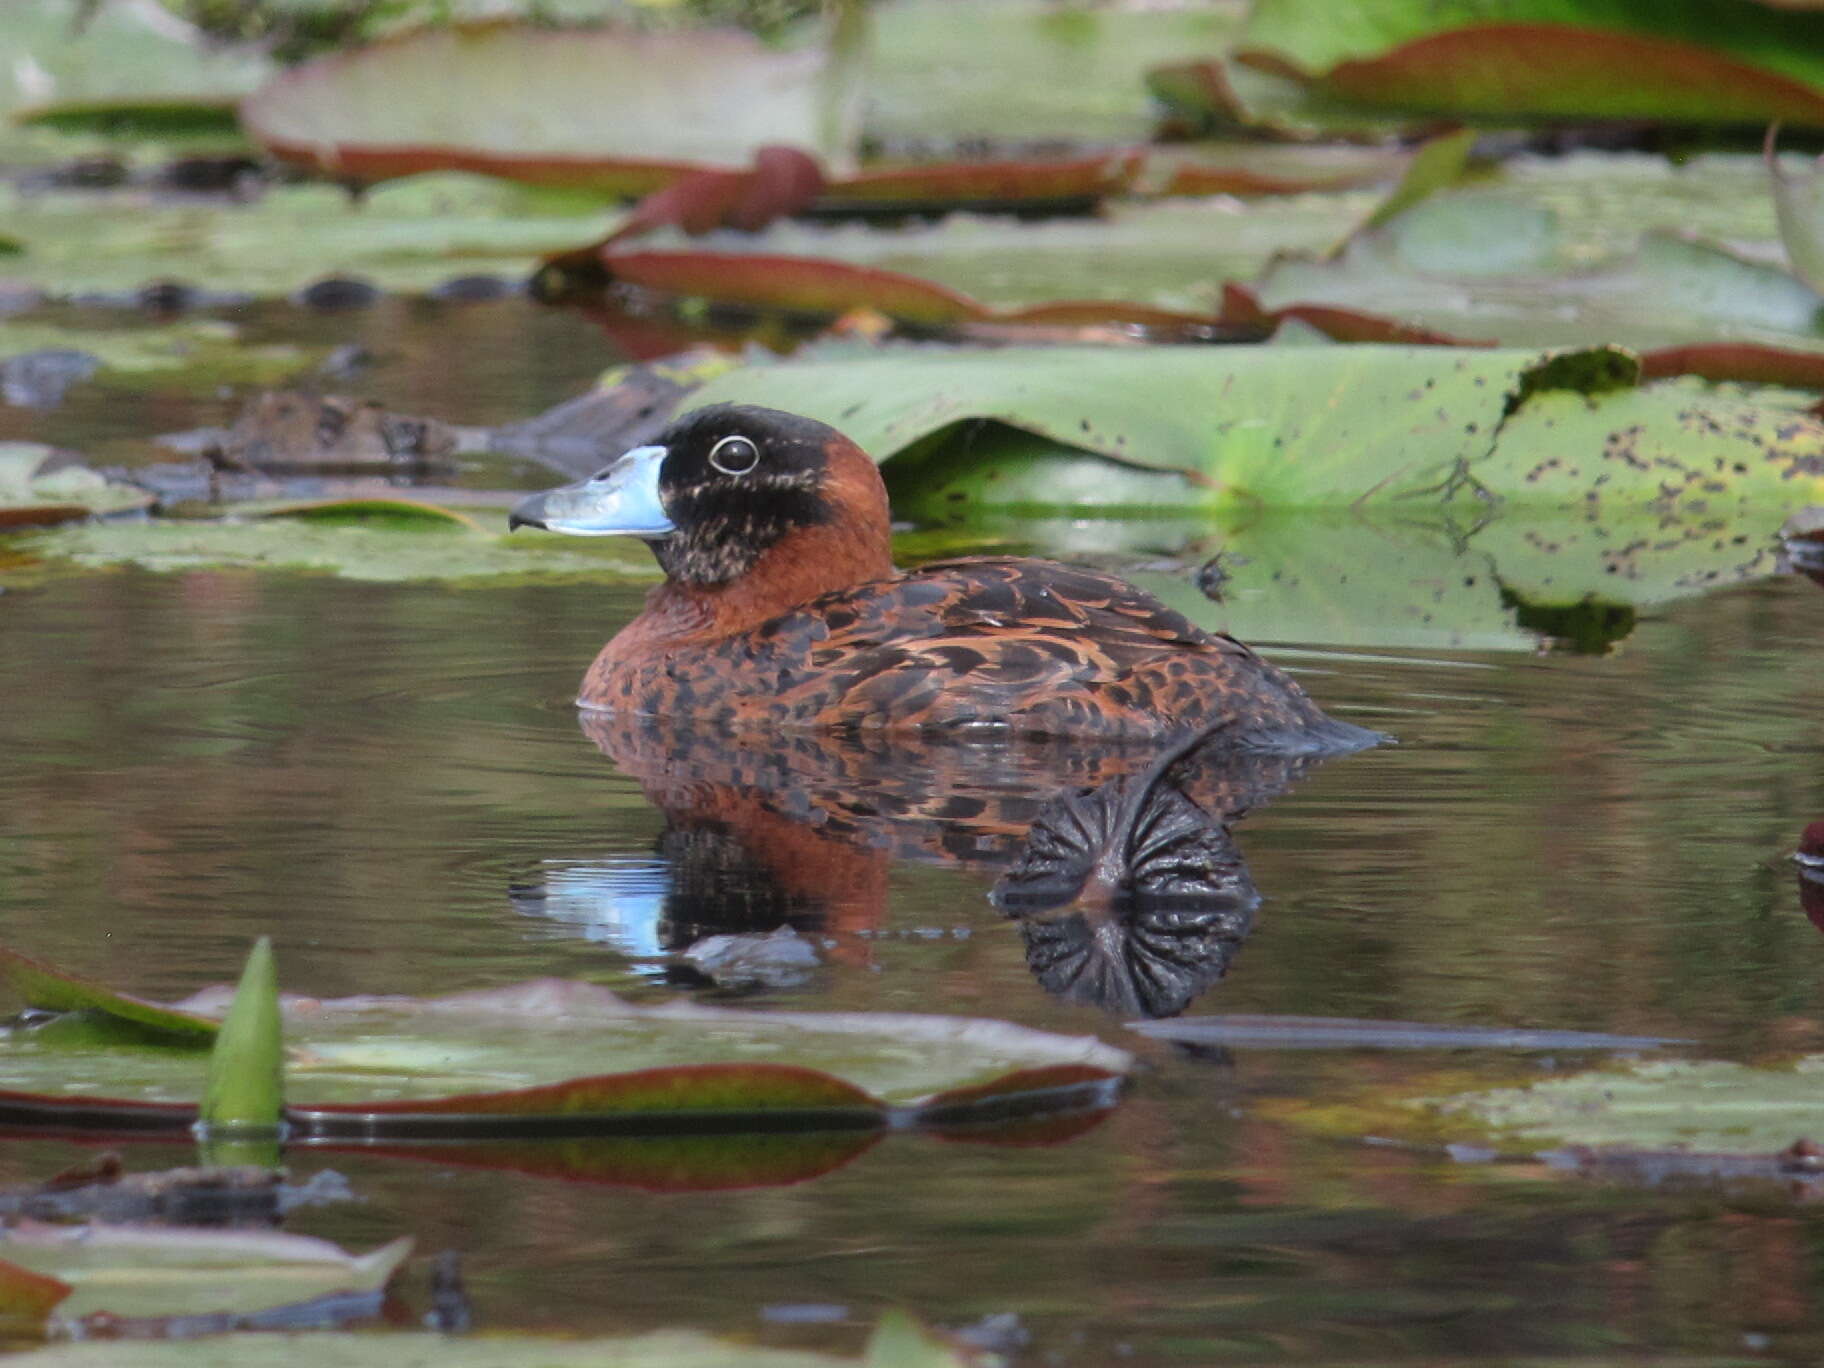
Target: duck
(782, 608)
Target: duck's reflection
(1116, 859)
(1131, 896)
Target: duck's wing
(985, 640)
(1090, 608)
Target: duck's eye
(734, 456)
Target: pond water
(391, 781)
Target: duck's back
(1026, 645)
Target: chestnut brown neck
(852, 547)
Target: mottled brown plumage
(782, 609)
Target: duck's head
(727, 489)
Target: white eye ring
(734, 455)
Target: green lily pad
(194, 354)
(1659, 1104)
(76, 56)
(1678, 60)
(29, 493)
(406, 235)
(427, 549)
(130, 1270)
(1423, 428)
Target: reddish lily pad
(990, 183)
(158, 1270)
(42, 985)
(624, 112)
(27, 1297)
(1681, 60)
(781, 181)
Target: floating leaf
(410, 234)
(1300, 427)
(623, 112)
(1334, 1033)
(440, 549)
(899, 1341)
(38, 487)
(133, 1270)
(42, 985)
(1798, 200)
(657, 1349)
(803, 284)
(527, 1060)
(72, 57)
(1473, 264)
(196, 354)
(1674, 60)
(1055, 185)
(1655, 1104)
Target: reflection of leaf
(1680, 60)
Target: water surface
(390, 780)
